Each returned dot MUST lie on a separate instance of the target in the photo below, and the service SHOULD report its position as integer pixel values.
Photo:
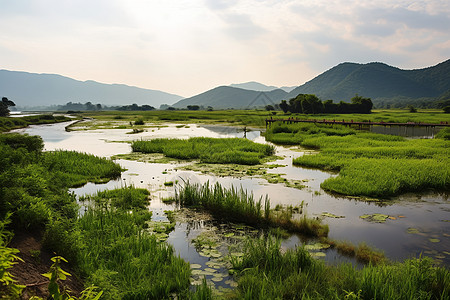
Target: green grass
(208, 150)
(256, 118)
(238, 205)
(9, 123)
(369, 164)
(76, 169)
(120, 256)
(267, 272)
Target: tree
(269, 107)
(4, 110)
(411, 109)
(447, 109)
(193, 107)
(284, 106)
(362, 105)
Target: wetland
(291, 179)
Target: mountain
(33, 90)
(378, 81)
(256, 86)
(224, 97)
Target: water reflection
(428, 213)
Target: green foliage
(4, 106)
(114, 233)
(8, 257)
(267, 272)
(370, 164)
(444, 134)
(380, 166)
(70, 168)
(7, 123)
(55, 275)
(208, 150)
(240, 206)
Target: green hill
(378, 81)
(224, 97)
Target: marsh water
(418, 224)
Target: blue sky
(189, 46)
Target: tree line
(311, 104)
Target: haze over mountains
(224, 97)
(383, 83)
(256, 86)
(36, 90)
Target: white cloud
(188, 46)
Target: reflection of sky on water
(428, 213)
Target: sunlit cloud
(189, 46)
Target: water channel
(418, 223)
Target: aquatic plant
(209, 150)
(370, 164)
(267, 272)
(240, 206)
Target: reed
(120, 256)
(267, 272)
(238, 205)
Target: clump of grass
(75, 169)
(370, 164)
(139, 122)
(239, 206)
(361, 252)
(209, 150)
(7, 123)
(266, 272)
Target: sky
(186, 47)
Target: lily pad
(196, 272)
(330, 215)
(231, 283)
(317, 254)
(210, 270)
(217, 279)
(378, 218)
(317, 246)
(412, 230)
(434, 240)
(195, 266)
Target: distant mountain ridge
(256, 86)
(33, 90)
(377, 81)
(224, 97)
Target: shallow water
(428, 213)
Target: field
(253, 118)
(369, 164)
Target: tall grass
(240, 206)
(75, 169)
(267, 272)
(208, 150)
(124, 260)
(8, 123)
(370, 164)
